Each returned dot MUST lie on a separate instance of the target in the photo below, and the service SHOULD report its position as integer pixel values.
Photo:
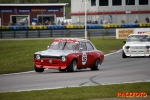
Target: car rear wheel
(73, 66)
(96, 65)
(38, 69)
(123, 54)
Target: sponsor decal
(50, 60)
(38, 10)
(142, 31)
(53, 10)
(84, 58)
(131, 94)
(6, 10)
(123, 33)
(24, 10)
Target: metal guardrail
(55, 33)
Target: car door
(90, 51)
(83, 56)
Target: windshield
(138, 38)
(64, 46)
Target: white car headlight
(38, 57)
(63, 58)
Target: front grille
(137, 47)
(51, 57)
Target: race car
(136, 45)
(69, 54)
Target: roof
(139, 34)
(70, 39)
(44, 4)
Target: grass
(17, 55)
(78, 93)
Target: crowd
(47, 22)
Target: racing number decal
(84, 58)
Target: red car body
(69, 54)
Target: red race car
(69, 54)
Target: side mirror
(47, 47)
(124, 41)
(80, 49)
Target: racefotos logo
(131, 94)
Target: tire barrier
(60, 27)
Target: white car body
(136, 45)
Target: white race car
(136, 45)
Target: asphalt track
(114, 70)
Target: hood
(50, 52)
(137, 44)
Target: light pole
(85, 21)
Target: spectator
(33, 23)
(123, 21)
(147, 19)
(110, 19)
(96, 22)
(50, 23)
(136, 21)
(101, 22)
(47, 22)
(62, 23)
(53, 23)
(59, 22)
(26, 21)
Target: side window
(89, 46)
(83, 45)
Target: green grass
(17, 55)
(78, 93)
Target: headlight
(37, 57)
(63, 58)
(127, 47)
(147, 47)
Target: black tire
(62, 70)
(123, 54)
(96, 65)
(73, 66)
(40, 70)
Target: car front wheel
(123, 54)
(38, 69)
(96, 65)
(73, 66)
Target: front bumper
(133, 52)
(51, 64)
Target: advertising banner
(142, 31)
(123, 33)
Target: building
(127, 10)
(25, 14)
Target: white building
(129, 10)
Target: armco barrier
(60, 27)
